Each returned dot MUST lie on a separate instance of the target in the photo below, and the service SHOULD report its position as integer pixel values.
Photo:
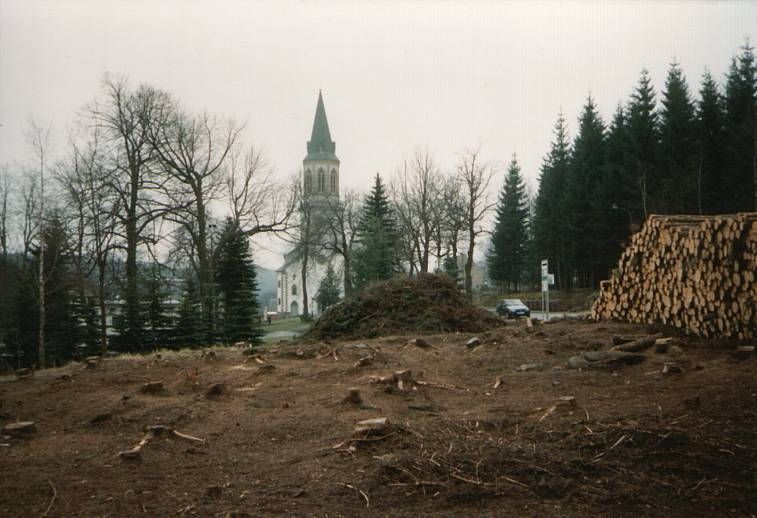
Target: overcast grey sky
(395, 75)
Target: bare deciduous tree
(453, 220)
(343, 217)
(418, 204)
(125, 117)
(475, 178)
(85, 179)
(4, 193)
(28, 214)
(39, 139)
(258, 202)
(193, 151)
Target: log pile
(695, 273)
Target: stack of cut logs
(695, 273)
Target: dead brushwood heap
(695, 273)
(424, 304)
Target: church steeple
(320, 146)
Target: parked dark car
(512, 308)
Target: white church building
(320, 184)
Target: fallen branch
(52, 500)
(549, 412)
(361, 493)
(441, 385)
(617, 443)
(513, 481)
(154, 431)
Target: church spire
(320, 146)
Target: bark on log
(638, 345)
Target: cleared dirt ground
(279, 439)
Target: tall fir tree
(237, 285)
(189, 329)
(643, 139)
(375, 256)
(678, 193)
(61, 325)
(580, 209)
(85, 315)
(711, 143)
(549, 224)
(130, 322)
(741, 156)
(158, 321)
(328, 290)
(508, 251)
(613, 221)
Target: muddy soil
(279, 439)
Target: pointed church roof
(320, 145)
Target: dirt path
(279, 439)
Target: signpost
(546, 279)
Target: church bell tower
(321, 166)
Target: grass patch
(289, 324)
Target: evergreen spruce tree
(613, 194)
(237, 287)
(328, 290)
(581, 211)
(643, 139)
(677, 152)
(61, 326)
(741, 171)
(711, 143)
(549, 223)
(375, 255)
(85, 316)
(189, 324)
(130, 322)
(157, 321)
(507, 253)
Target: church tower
(321, 166)
(320, 184)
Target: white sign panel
(544, 275)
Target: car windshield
(513, 302)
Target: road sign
(544, 275)
(546, 279)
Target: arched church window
(321, 180)
(294, 289)
(333, 180)
(308, 181)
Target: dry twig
(52, 500)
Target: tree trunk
(41, 280)
(131, 299)
(347, 276)
(203, 262)
(469, 261)
(101, 302)
(304, 275)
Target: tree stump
(152, 387)
(353, 397)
